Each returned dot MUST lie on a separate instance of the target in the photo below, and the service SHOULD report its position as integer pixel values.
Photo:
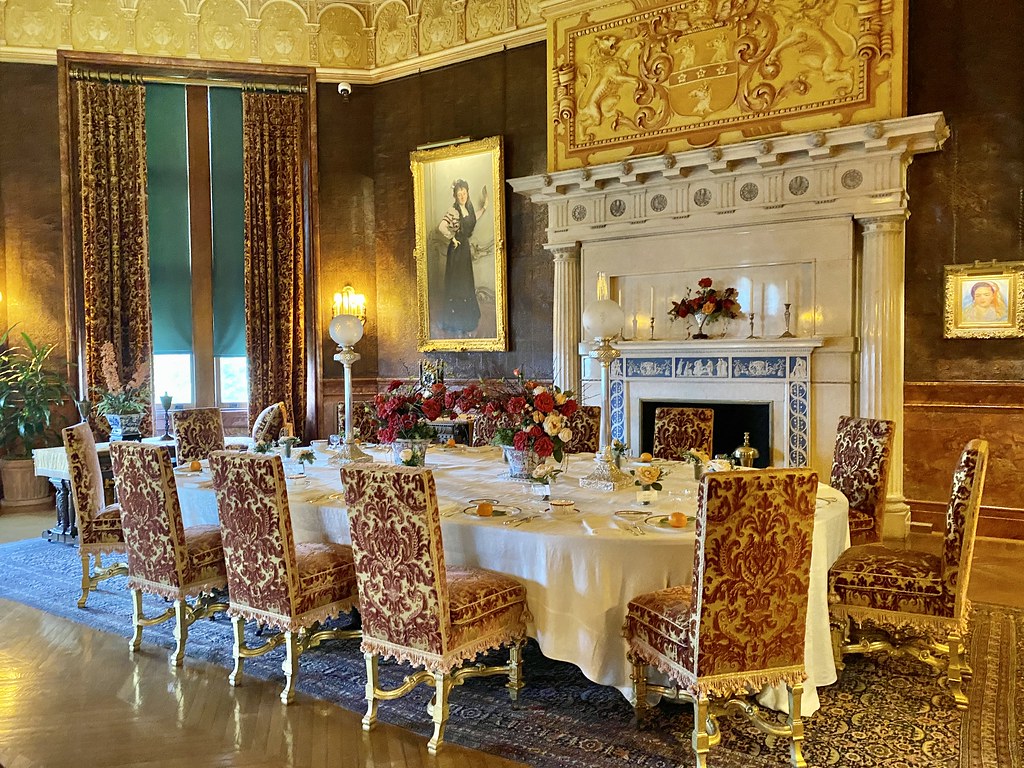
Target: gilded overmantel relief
(363, 42)
(633, 78)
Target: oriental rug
(884, 711)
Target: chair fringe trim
(901, 621)
(294, 623)
(716, 685)
(170, 592)
(103, 548)
(447, 662)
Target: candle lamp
(165, 401)
(346, 330)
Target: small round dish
(661, 524)
(497, 510)
(632, 515)
(484, 501)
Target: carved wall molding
(362, 42)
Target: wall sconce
(348, 302)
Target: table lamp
(346, 330)
(602, 322)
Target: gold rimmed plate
(662, 524)
(632, 515)
(497, 511)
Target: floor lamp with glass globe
(347, 330)
(602, 322)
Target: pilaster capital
(892, 222)
(563, 251)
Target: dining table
(580, 569)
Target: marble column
(565, 363)
(882, 347)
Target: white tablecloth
(578, 582)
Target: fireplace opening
(731, 421)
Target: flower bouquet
(696, 457)
(649, 480)
(706, 304)
(539, 415)
(543, 477)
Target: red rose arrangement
(404, 409)
(706, 304)
(539, 413)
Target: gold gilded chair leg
(796, 727)
(954, 671)
(290, 666)
(181, 622)
(641, 708)
(136, 620)
(86, 581)
(438, 710)
(370, 718)
(515, 671)
(238, 623)
(701, 738)
(838, 630)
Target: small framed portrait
(984, 301)
(459, 195)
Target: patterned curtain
(114, 219)
(274, 135)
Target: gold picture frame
(461, 282)
(984, 301)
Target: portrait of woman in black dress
(461, 311)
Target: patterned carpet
(883, 712)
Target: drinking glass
(334, 441)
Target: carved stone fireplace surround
(815, 219)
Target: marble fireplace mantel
(818, 214)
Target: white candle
(787, 292)
(652, 301)
(620, 297)
(762, 302)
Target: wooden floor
(72, 696)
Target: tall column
(565, 363)
(882, 348)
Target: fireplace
(731, 421)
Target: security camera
(345, 89)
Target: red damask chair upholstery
(164, 557)
(677, 430)
(585, 424)
(267, 426)
(414, 609)
(914, 602)
(198, 432)
(99, 525)
(485, 426)
(363, 422)
(860, 469)
(740, 625)
(271, 579)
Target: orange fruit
(195, 466)
(646, 457)
(485, 509)
(450, 442)
(677, 520)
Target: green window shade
(170, 272)
(228, 222)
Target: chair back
(486, 426)
(585, 424)
(679, 429)
(256, 528)
(399, 558)
(362, 421)
(198, 432)
(154, 534)
(751, 570)
(962, 522)
(85, 475)
(860, 465)
(268, 424)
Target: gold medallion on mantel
(631, 78)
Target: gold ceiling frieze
(363, 42)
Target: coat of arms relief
(696, 73)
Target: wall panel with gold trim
(633, 77)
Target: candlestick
(751, 336)
(652, 327)
(787, 334)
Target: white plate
(632, 515)
(660, 523)
(500, 511)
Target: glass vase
(417, 447)
(520, 463)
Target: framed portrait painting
(985, 301)
(459, 195)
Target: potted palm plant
(30, 390)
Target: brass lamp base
(606, 476)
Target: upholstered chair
(485, 426)
(363, 423)
(914, 602)
(271, 579)
(413, 607)
(860, 469)
(585, 424)
(198, 432)
(267, 426)
(677, 430)
(99, 525)
(164, 557)
(740, 625)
